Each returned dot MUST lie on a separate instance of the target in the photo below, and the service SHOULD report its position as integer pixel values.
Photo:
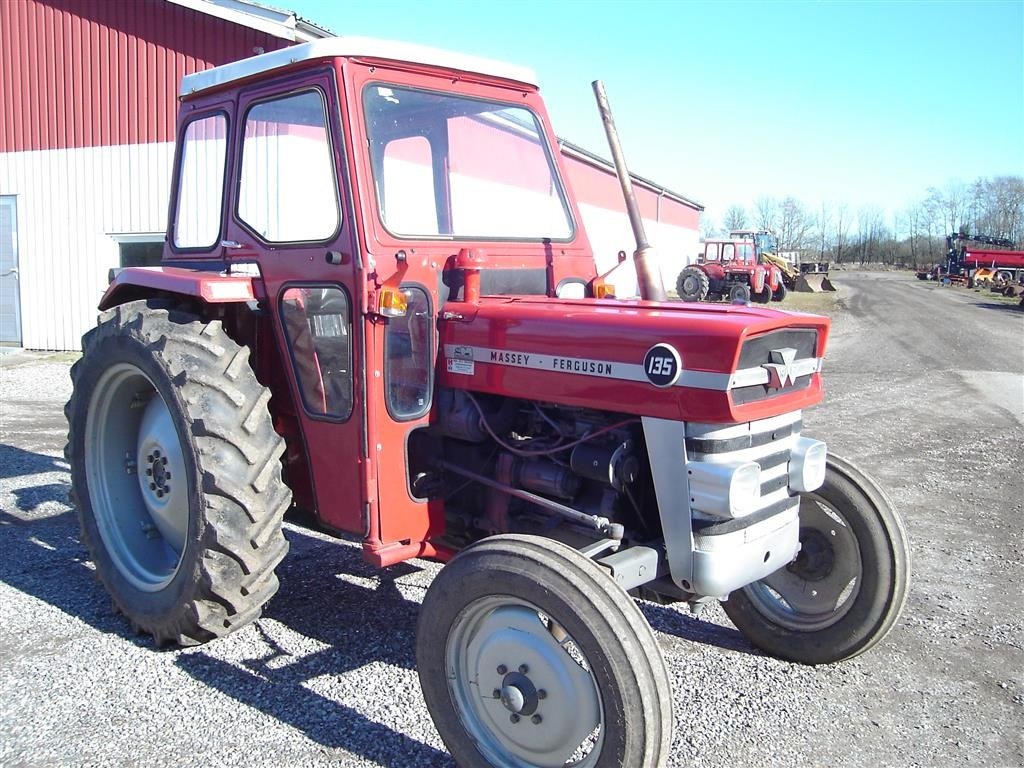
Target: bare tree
(842, 230)
(766, 213)
(795, 225)
(735, 218)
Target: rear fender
(205, 286)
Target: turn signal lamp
(393, 303)
(603, 290)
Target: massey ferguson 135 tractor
(377, 304)
(730, 268)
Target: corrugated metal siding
(69, 203)
(85, 73)
(88, 97)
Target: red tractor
(377, 305)
(730, 269)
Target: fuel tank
(690, 362)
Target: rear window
(201, 183)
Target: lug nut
(152, 486)
(542, 694)
(159, 494)
(167, 475)
(536, 719)
(514, 717)
(495, 694)
(523, 669)
(164, 461)
(502, 669)
(156, 454)
(149, 472)
(149, 458)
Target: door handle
(12, 271)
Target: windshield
(766, 242)
(448, 166)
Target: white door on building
(10, 288)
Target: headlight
(807, 465)
(724, 490)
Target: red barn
(88, 94)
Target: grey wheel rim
(819, 587)
(136, 474)
(521, 686)
(691, 285)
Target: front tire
(739, 293)
(779, 294)
(845, 590)
(175, 471)
(530, 655)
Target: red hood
(592, 353)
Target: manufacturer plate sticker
(460, 366)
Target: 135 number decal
(662, 365)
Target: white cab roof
(367, 47)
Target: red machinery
(730, 268)
(377, 304)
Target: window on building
(287, 191)
(141, 253)
(201, 185)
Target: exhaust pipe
(648, 276)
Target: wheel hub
(528, 696)
(816, 557)
(518, 694)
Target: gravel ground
(926, 392)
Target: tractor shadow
(359, 618)
(678, 622)
(356, 624)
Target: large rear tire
(845, 590)
(175, 472)
(693, 284)
(530, 655)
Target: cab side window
(409, 358)
(287, 191)
(317, 322)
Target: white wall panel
(610, 232)
(70, 202)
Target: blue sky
(864, 103)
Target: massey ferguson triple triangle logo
(780, 369)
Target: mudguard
(211, 287)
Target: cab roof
(346, 46)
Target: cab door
(292, 216)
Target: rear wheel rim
(522, 687)
(820, 586)
(136, 475)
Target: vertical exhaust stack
(648, 276)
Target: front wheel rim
(136, 476)
(820, 586)
(522, 687)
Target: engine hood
(693, 362)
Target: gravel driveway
(925, 391)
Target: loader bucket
(814, 282)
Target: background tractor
(797, 274)
(729, 269)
